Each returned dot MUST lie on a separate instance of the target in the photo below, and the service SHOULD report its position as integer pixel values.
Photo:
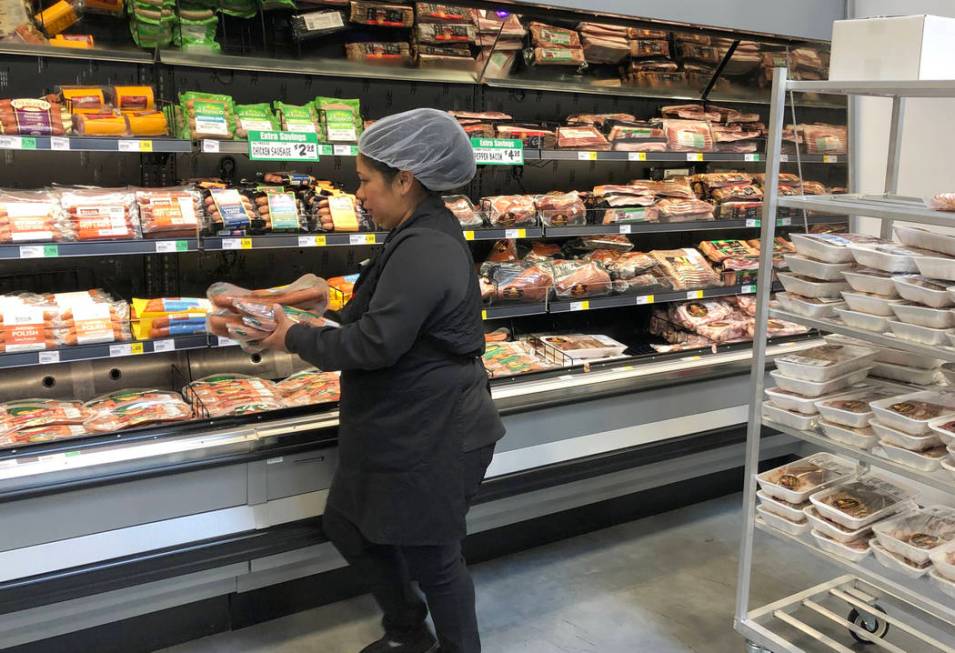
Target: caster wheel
(870, 623)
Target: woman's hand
(276, 340)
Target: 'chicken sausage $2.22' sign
(283, 146)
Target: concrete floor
(664, 584)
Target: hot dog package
(34, 117)
(169, 212)
(219, 395)
(207, 115)
(16, 416)
(308, 292)
(126, 409)
(101, 214)
(311, 386)
(228, 211)
(32, 216)
(165, 317)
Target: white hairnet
(428, 143)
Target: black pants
(439, 569)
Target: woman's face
(388, 200)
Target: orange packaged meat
(38, 434)
(311, 386)
(30, 413)
(101, 214)
(169, 212)
(308, 292)
(232, 394)
(688, 135)
(133, 408)
(32, 216)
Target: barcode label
(47, 357)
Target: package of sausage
(127, 409)
(164, 317)
(25, 327)
(31, 413)
(101, 214)
(32, 216)
(220, 395)
(228, 211)
(34, 117)
(169, 212)
(308, 292)
(90, 317)
(38, 434)
(207, 115)
(310, 386)
(279, 210)
(297, 118)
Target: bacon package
(674, 210)
(308, 387)
(556, 56)
(101, 214)
(127, 409)
(381, 14)
(686, 268)
(510, 210)
(398, 53)
(581, 137)
(502, 359)
(533, 136)
(688, 135)
(553, 37)
(220, 395)
(635, 136)
(562, 209)
(690, 112)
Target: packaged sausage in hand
(101, 213)
(308, 292)
(32, 216)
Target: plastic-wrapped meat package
(522, 283)
(704, 184)
(603, 256)
(700, 53)
(688, 135)
(549, 36)
(601, 29)
(458, 57)
(91, 317)
(740, 210)
(427, 12)
(942, 202)
(673, 187)
(377, 52)
(533, 136)
(733, 138)
(634, 136)
(480, 115)
(556, 56)
(690, 112)
(510, 210)
(228, 211)
(605, 49)
(623, 195)
(219, 395)
(581, 138)
(127, 409)
(34, 117)
(541, 251)
(745, 304)
(694, 314)
(818, 138)
(721, 250)
(15, 416)
(509, 358)
(562, 209)
(444, 33)
(32, 216)
(738, 193)
(577, 279)
(101, 214)
(26, 326)
(38, 434)
(673, 210)
(381, 14)
(463, 210)
(660, 75)
(598, 119)
(650, 49)
(488, 22)
(629, 265)
(776, 328)
(311, 386)
(308, 292)
(169, 212)
(686, 268)
(723, 331)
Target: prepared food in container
(903, 373)
(870, 303)
(872, 281)
(859, 503)
(864, 321)
(944, 428)
(897, 562)
(814, 307)
(807, 287)
(787, 417)
(781, 523)
(851, 409)
(929, 460)
(854, 551)
(926, 239)
(829, 248)
(907, 358)
(916, 534)
(789, 400)
(832, 530)
(911, 413)
(795, 482)
(943, 558)
(808, 267)
(936, 267)
(815, 390)
(891, 257)
(905, 440)
(859, 437)
(922, 290)
(920, 334)
(824, 362)
(791, 511)
(935, 318)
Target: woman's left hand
(276, 340)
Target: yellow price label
(321, 241)
(830, 158)
(694, 294)
(483, 315)
(245, 243)
(637, 156)
(646, 299)
(694, 156)
(468, 235)
(145, 146)
(136, 348)
(586, 156)
(580, 306)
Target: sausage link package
(207, 115)
(381, 14)
(196, 29)
(90, 317)
(254, 117)
(278, 209)
(32, 216)
(169, 212)
(23, 414)
(340, 119)
(297, 118)
(311, 386)
(34, 117)
(164, 317)
(219, 395)
(316, 23)
(126, 409)
(227, 211)
(101, 214)
(151, 22)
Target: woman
(418, 425)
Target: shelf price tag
(644, 299)
(134, 146)
(345, 150)
(48, 357)
(483, 314)
(210, 146)
(694, 156)
(637, 156)
(784, 158)
(498, 151)
(694, 294)
(580, 306)
(626, 228)
(784, 222)
(750, 157)
(171, 246)
(312, 241)
(226, 342)
(59, 143)
(748, 289)
(160, 346)
(830, 158)
(515, 233)
(753, 223)
(236, 243)
(120, 350)
(39, 251)
(11, 143)
(362, 239)
(283, 146)
(586, 156)
(468, 235)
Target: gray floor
(659, 585)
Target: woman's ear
(405, 182)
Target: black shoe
(417, 641)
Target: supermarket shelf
(641, 300)
(881, 339)
(692, 157)
(278, 241)
(940, 480)
(918, 592)
(99, 248)
(92, 144)
(913, 88)
(498, 234)
(679, 227)
(892, 208)
(128, 55)
(513, 310)
(101, 351)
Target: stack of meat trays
(808, 64)
(624, 204)
(480, 124)
(604, 44)
(652, 63)
(745, 60)
(554, 46)
(697, 55)
(819, 138)
(499, 34)
(735, 194)
(816, 281)
(443, 36)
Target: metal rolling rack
(919, 616)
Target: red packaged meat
(724, 331)
(548, 36)
(943, 202)
(737, 193)
(377, 52)
(219, 395)
(510, 210)
(308, 292)
(32, 413)
(598, 119)
(700, 53)
(650, 49)
(674, 210)
(720, 250)
(688, 135)
(34, 117)
(705, 184)
(169, 212)
(617, 242)
(532, 136)
(581, 138)
(562, 209)
(557, 57)
(40, 434)
(308, 387)
(690, 112)
(444, 33)
(483, 115)
(628, 265)
(634, 136)
(101, 214)
(694, 314)
(672, 187)
(520, 283)
(686, 268)
(126, 409)
(427, 12)
(664, 76)
(381, 14)
(578, 279)
(463, 210)
(605, 49)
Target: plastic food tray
(820, 250)
(817, 390)
(948, 464)
(781, 523)
(908, 289)
(921, 334)
(863, 438)
(919, 237)
(797, 403)
(892, 561)
(792, 512)
(936, 267)
(939, 520)
(903, 373)
(809, 288)
(935, 318)
(799, 306)
(841, 470)
(948, 370)
(914, 459)
(945, 585)
(864, 321)
(870, 303)
(869, 257)
(908, 425)
(788, 417)
(832, 530)
(851, 359)
(947, 437)
(896, 503)
(907, 358)
(871, 281)
(905, 440)
(808, 267)
(940, 557)
(838, 548)
(843, 417)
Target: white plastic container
(808, 307)
(833, 530)
(880, 497)
(924, 461)
(948, 370)
(945, 435)
(925, 239)
(912, 287)
(904, 440)
(936, 267)
(920, 334)
(825, 362)
(870, 303)
(907, 358)
(903, 373)
(791, 511)
(871, 281)
(829, 248)
(817, 471)
(898, 420)
(853, 554)
(945, 585)
(943, 558)
(808, 267)
(852, 418)
(810, 287)
(934, 525)
(795, 402)
(864, 321)
(898, 563)
(861, 438)
(781, 523)
(935, 318)
(787, 417)
(817, 390)
(894, 259)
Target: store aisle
(664, 584)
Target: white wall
(928, 144)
